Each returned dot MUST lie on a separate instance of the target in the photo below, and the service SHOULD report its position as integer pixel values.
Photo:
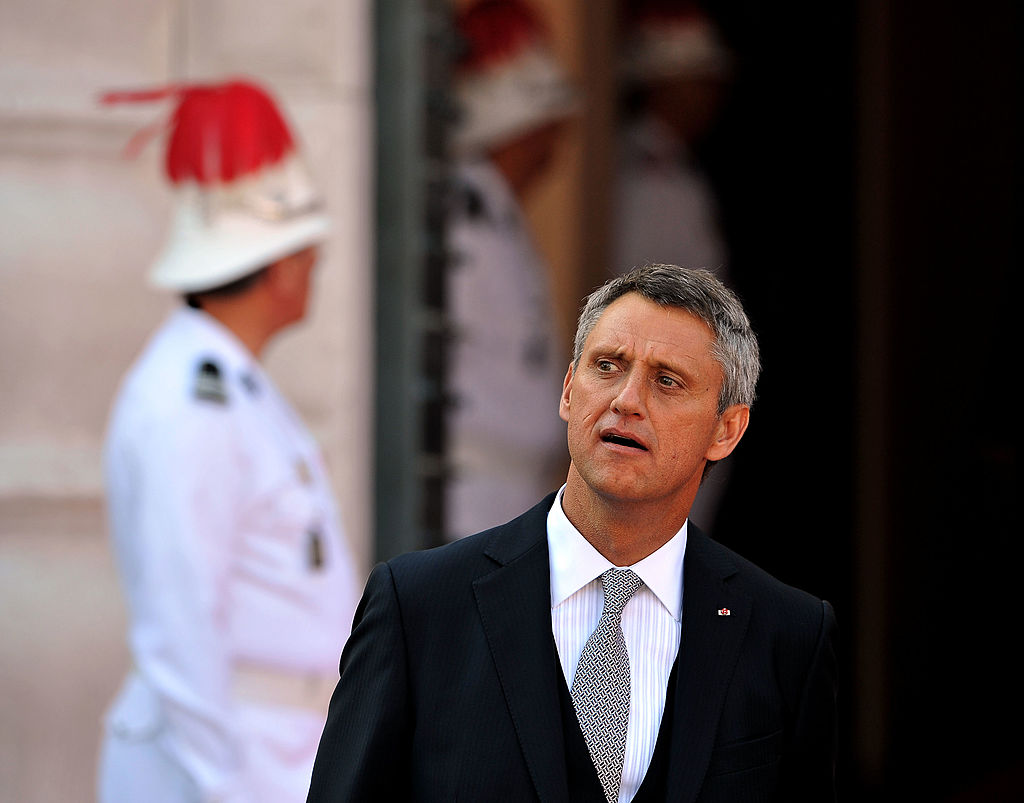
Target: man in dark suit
(599, 647)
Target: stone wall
(79, 225)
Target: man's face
(642, 405)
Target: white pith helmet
(507, 81)
(666, 39)
(244, 197)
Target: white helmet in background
(244, 197)
(507, 80)
(669, 39)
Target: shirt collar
(575, 562)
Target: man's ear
(730, 428)
(563, 402)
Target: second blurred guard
(515, 99)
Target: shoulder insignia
(472, 204)
(209, 384)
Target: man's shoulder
(790, 618)
(760, 583)
(179, 376)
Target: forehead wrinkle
(626, 345)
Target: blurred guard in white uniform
(676, 68)
(506, 440)
(239, 584)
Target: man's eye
(667, 381)
(605, 365)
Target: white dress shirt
(651, 625)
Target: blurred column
(413, 53)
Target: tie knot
(619, 587)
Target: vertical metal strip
(411, 113)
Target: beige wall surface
(79, 225)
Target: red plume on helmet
(494, 31)
(218, 132)
(244, 196)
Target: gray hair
(701, 294)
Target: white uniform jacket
(506, 439)
(665, 212)
(239, 585)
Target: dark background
(868, 169)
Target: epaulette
(209, 384)
(473, 204)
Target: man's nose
(630, 397)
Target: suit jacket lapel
(708, 652)
(515, 606)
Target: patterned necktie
(600, 689)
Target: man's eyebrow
(602, 351)
(608, 350)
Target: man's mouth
(622, 440)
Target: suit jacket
(449, 682)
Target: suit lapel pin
(724, 612)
